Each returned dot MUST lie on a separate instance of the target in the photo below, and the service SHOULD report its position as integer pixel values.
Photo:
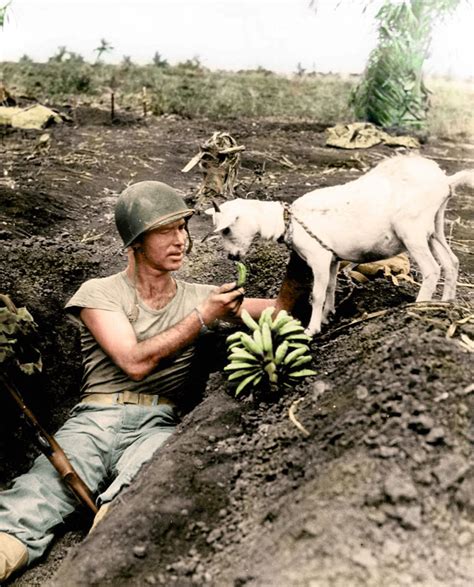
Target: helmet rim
(146, 205)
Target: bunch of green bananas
(271, 357)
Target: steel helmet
(146, 205)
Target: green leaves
(3, 10)
(392, 91)
(18, 338)
(271, 358)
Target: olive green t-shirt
(116, 294)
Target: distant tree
(126, 62)
(392, 91)
(104, 47)
(60, 55)
(74, 57)
(25, 59)
(264, 71)
(193, 64)
(300, 70)
(158, 61)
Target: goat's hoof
(310, 332)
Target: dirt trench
(374, 487)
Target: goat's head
(235, 222)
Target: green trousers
(103, 443)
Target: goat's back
(412, 168)
(410, 182)
(362, 219)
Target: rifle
(51, 449)
(16, 351)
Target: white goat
(399, 205)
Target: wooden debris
(219, 162)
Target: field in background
(190, 90)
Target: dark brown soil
(376, 489)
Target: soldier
(138, 329)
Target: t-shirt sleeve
(96, 294)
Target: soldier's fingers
(227, 287)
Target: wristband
(204, 327)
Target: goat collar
(287, 235)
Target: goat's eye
(226, 231)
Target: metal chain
(308, 230)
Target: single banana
(266, 316)
(257, 336)
(281, 318)
(291, 328)
(241, 274)
(298, 336)
(290, 357)
(250, 344)
(281, 314)
(240, 374)
(302, 373)
(267, 342)
(250, 379)
(297, 345)
(281, 351)
(301, 361)
(234, 337)
(242, 355)
(234, 346)
(248, 320)
(236, 365)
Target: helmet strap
(190, 240)
(133, 314)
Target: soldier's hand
(223, 303)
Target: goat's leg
(450, 269)
(445, 256)
(419, 250)
(329, 303)
(321, 271)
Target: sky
(280, 35)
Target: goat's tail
(465, 177)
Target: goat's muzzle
(233, 256)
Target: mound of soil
(361, 476)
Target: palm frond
(392, 91)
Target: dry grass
(451, 115)
(193, 91)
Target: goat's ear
(210, 212)
(222, 223)
(215, 205)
